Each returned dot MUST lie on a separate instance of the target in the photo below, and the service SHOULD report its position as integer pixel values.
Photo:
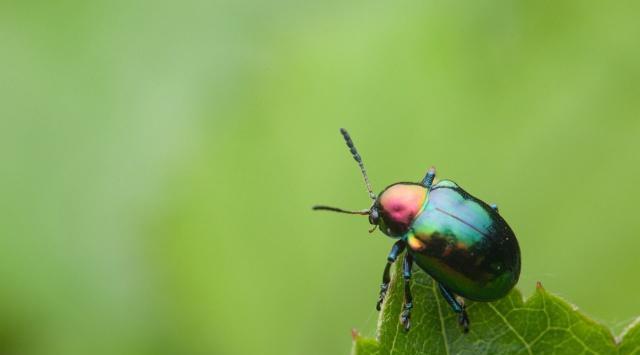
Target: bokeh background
(159, 161)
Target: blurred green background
(159, 161)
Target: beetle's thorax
(398, 206)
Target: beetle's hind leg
(458, 307)
(397, 248)
(405, 316)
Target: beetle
(460, 241)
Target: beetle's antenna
(358, 159)
(336, 209)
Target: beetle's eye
(373, 216)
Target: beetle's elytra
(460, 241)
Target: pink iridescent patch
(403, 202)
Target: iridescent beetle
(460, 241)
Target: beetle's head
(395, 208)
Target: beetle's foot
(405, 316)
(383, 293)
(463, 320)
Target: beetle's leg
(494, 207)
(457, 307)
(427, 181)
(405, 316)
(397, 248)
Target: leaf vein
(506, 322)
(444, 333)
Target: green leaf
(543, 324)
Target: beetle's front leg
(397, 248)
(427, 181)
(405, 316)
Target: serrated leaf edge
(540, 290)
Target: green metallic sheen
(464, 244)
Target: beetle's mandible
(460, 241)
